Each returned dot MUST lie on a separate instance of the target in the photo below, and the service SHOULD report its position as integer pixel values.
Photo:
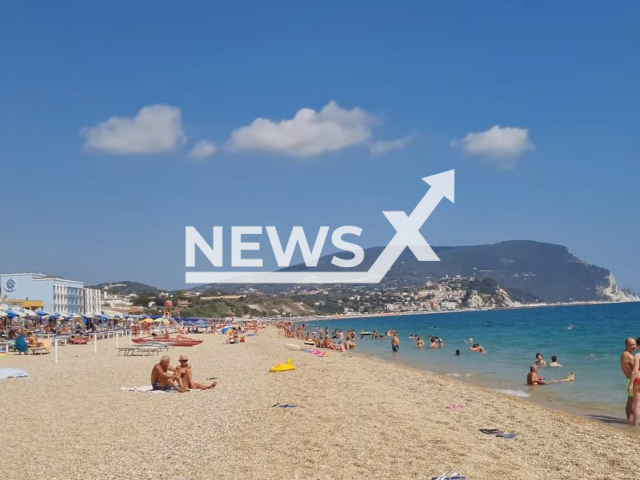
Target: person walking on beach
(395, 342)
(626, 365)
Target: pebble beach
(355, 417)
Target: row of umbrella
(40, 314)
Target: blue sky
(111, 203)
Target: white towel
(144, 389)
(12, 373)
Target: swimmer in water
(457, 352)
(534, 379)
(554, 362)
(540, 361)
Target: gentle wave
(515, 393)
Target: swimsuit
(627, 388)
(395, 348)
(166, 388)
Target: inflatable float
(282, 367)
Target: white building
(57, 294)
(92, 300)
(113, 300)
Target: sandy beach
(356, 417)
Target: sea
(587, 339)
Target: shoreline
(355, 417)
(322, 318)
(598, 415)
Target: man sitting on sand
(186, 378)
(161, 379)
(534, 379)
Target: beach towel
(12, 373)
(145, 389)
(497, 433)
(450, 476)
(21, 344)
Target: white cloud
(155, 129)
(203, 149)
(381, 147)
(501, 144)
(307, 134)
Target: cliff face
(609, 290)
(500, 299)
(544, 271)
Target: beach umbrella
(228, 329)
(41, 313)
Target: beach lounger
(40, 349)
(142, 350)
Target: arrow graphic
(407, 235)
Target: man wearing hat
(186, 380)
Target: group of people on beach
(337, 340)
(630, 365)
(166, 377)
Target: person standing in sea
(395, 342)
(626, 364)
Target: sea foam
(515, 393)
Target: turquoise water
(591, 349)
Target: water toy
(282, 367)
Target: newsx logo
(407, 235)
(283, 256)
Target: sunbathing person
(186, 378)
(161, 379)
(534, 379)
